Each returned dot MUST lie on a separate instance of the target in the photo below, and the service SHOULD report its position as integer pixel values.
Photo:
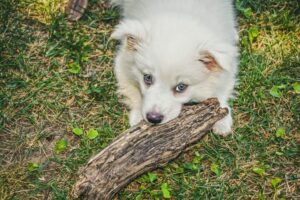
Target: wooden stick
(75, 9)
(142, 148)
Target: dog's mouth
(191, 103)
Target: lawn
(58, 107)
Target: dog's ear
(131, 42)
(131, 32)
(220, 57)
(209, 61)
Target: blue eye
(180, 88)
(148, 79)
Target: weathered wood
(75, 9)
(143, 148)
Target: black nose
(154, 117)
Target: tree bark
(75, 9)
(142, 148)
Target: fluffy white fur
(168, 38)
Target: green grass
(56, 75)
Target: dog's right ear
(131, 32)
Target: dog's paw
(223, 127)
(135, 117)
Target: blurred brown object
(75, 9)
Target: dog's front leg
(223, 127)
(135, 116)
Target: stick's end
(75, 9)
(210, 101)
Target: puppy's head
(173, 64)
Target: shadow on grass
(14, 38)
(13, 35)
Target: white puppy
(174, 52)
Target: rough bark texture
(75, 9)
(143, 148)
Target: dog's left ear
(131, 33)
(220, 57)
(209, 61)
